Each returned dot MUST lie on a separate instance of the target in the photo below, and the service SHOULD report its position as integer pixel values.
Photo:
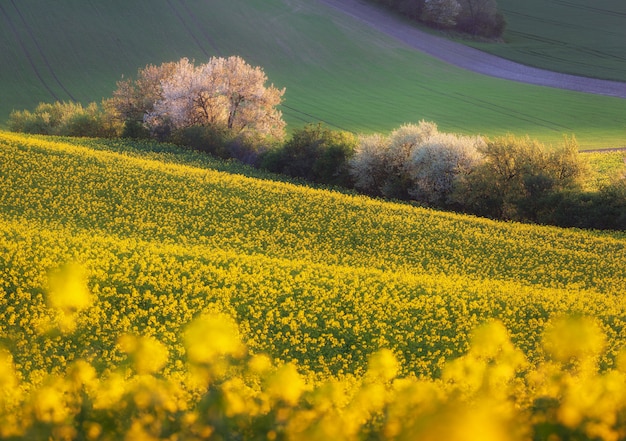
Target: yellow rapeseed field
(148, 292)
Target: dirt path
(469, 58)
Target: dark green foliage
(602, 210)
(483, 25)
(481, 17)
(83, 124)
(517, 177)
(316, 154)
(202, 138)
(135, 130)
(520, 180)
(222, 143)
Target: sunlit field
(151, 291)
(605, 167)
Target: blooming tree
(379, 163)
(225, 93)
(134, 99)
(367, 166)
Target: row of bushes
(507, 178)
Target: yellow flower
(147, 354)
(209, 337)
(383, 365)
(49, 405)
(260, 364)
(569, 338)
(110, 392)
(68, 290)
(8, 379)
(82, 373)
(67, 296)
(490, 340)
(286, 384)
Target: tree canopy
(224, 93)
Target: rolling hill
(151, 221)
(130, 273)
(336, 70)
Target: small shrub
(314, 153)
(435, 165)
(64, 119)
(517, 176)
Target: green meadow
(572, 36)
(335, 69)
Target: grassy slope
(164, 236)
(573, 36)
(335, 70)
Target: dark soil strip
(27, 53)
(469, 58)
(41, 52)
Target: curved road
(469, 58)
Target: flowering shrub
(414, 161)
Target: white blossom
(225, 92)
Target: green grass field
(573, 36)
(335, 69)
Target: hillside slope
(335, 69)
(461, 55)
(314, 276)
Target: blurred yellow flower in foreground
(286, 384)
(211, 336)
(147, 354)
(383, 365)
(68, 289)
(574, 338)
(68, 295)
